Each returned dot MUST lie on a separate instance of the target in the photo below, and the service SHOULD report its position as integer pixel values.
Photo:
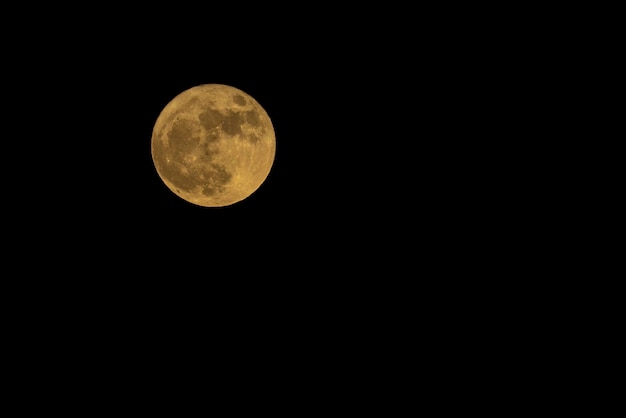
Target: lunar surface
(213, 145)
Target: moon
(213, 145)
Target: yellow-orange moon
(213, 145)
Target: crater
(207, 150)
(184, 146)
(210, 119)
(192, 102)
(211, 137)
(252, 117)
(180, 133)
(173, 172)
(183, 181)
(239, 99)
(217, 177)
(252, 137)
(232, 123)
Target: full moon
(213, 145)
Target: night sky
(388, 233)
(371, 127)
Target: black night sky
(390, 235)
(372, 161)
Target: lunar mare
(213, 145)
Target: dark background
(401, 144)
(389, 131)
(401, 136)
(394, 235)
(363, 195)
(349, 109)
